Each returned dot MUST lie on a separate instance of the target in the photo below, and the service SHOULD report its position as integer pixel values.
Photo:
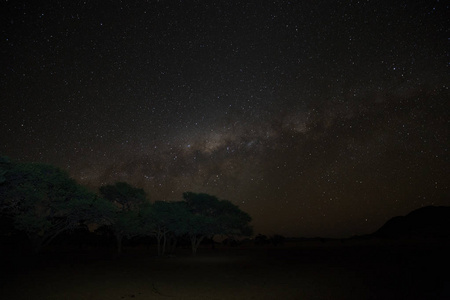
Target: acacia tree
(43, 201)
(230, 220)
(198, 227)
(165, 220)
(129, 201)
(211, 216)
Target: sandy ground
(305, 271)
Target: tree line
(42, 201)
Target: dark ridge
(425, 222)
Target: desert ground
(301, 270)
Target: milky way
(323, 118)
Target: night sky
(318, 118)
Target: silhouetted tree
(230, 220)
(277, 239)
(211, 216)
(232, 242)
(165, 220)
(261, 239)
(129, 201)
(43, 201)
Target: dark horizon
(318, 119)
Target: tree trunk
(119, 239)
(171, 244)
(213, 245)
(193, 247)
(164, 244)
(195, 242)
(158, 241)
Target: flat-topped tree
(43, 201)
(211, 216)
(124, 196)
(232, 221)
(128, 201)
(163, 220)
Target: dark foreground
(306, 270)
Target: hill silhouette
(425, 222)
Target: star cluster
(318, 118)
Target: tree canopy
(43, 201)
(125, 196)
(211, 216)
(165, 220)
(129, 201)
